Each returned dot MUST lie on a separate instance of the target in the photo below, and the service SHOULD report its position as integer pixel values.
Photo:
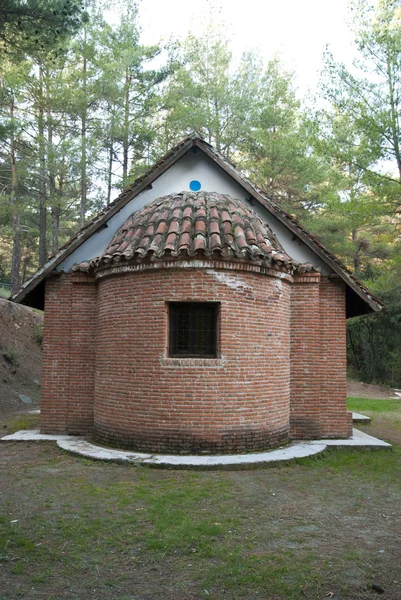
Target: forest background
(85, 108)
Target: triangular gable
(359, 299)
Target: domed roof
(194, 224)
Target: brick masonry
(318, 359)
(280, 372)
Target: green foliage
(206, 93)
(39, 334)
(374, 347)
(5, 292)
(37, 24)
(386, 282)
(79, 112)
(23, 422)
(357, 231)
(11, 356)
(369, 100)
(128, 91)
(276, 147)
(374, 342)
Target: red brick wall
(82, 354)
(305, 357)
(68, 355)
(237, 402)
(318, 359)
(55, 383)
(108, 342)
(334, 420)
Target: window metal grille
(193, 329)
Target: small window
(193, 329)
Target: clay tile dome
(194, 224)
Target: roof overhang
(359, 299)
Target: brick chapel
(195, 315)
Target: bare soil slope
(20, 357)
(358, 389)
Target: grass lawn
(5, 292)
(365, 404)
(74, 529)
(385, 416)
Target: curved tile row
(194, 224)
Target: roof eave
(83, 234)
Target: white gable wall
(192, 166)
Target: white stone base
(78, 445)
(358, 418)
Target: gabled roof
(359, 299)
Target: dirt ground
(326, 527)
(20, 358)
(74, 529)
(358, 389)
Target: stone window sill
(208, 363)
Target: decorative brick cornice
(79, 277)
(307, 278)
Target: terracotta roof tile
(194, 223)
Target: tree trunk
(25, 264)
(109, 173)
(54, 201)
(394, 107)
(56, 211)
(15, 219)
(356, 260)
(126, 130)
(217, 117)
(55, 214)
(83, 140)
(355, 354)
(42, 174)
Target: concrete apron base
(78, 445)
(358, 418)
